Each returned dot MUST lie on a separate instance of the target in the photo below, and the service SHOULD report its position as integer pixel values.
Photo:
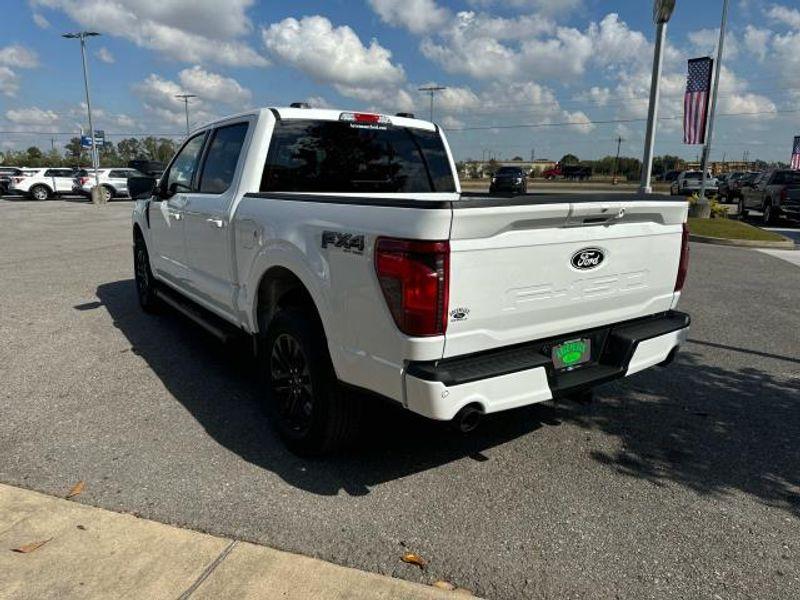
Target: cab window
(181, 173)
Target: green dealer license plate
(572, 353)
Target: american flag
(695, 102)
(796, 153)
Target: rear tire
(106, 193)
(306, 405)
(768, 217)
(39, 192)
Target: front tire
(143, 276)
(306, 405)
(39, 192)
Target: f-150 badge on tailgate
(588, 258)
(349, 242)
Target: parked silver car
(113, 182)
(689, 182)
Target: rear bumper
(524, 374)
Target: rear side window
(222, 158)
(340, 157)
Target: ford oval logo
(588, 258)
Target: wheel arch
(279, 287)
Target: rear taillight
(415, 280)
(784, 195)
(82, 180)
(683, 265)
(365, 118)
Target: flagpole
(710, 133)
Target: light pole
(185, 98)
(662, 11)
(432, 89)
(710, 133)
(82, 35)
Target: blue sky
(505, 63)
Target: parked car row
(43, 183)
(776, 193)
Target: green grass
(731, 229)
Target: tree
(129, 149)
(569, 159)
(517, 159)
(76, 155)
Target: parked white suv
(689, 182)
(40, 184)
(342, 244)
(113, 182)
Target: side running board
(220, 329)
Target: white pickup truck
(342, 243)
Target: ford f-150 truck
(341, 242)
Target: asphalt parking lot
(677, 483)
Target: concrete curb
(786, 244)
(90, 553)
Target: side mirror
(141, 188)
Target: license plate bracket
(571, 353)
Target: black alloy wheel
(291, 384)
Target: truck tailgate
(529, 268)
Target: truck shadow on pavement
(708, 428)
(713, 430)
(218, 385)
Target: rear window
(509, 171)
(341, 157)
(693, 175)
(787, 177)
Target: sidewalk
(95, 553)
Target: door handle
(218, 223)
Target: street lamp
(432, 89)
(82, 35)
(185, 98)
(662, 11)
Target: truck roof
(325, 114)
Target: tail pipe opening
(468, 418)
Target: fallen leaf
(443, 585)
(28, 548)
(76, 489)
(81, 527)
(414, 559)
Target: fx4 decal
(349, 242)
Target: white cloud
(19, 57)
(544, 6)
(597, 96)
(104, 54)
(331, 54)
(195, 31)
(485, 47)
(41, 21)
(704, 42)
(215, 87)
(11, 58)
(161, 104)
(757, 41)
(336, 56)
(418, 16)
(785, 15)
(9, 81)
(32, 116)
